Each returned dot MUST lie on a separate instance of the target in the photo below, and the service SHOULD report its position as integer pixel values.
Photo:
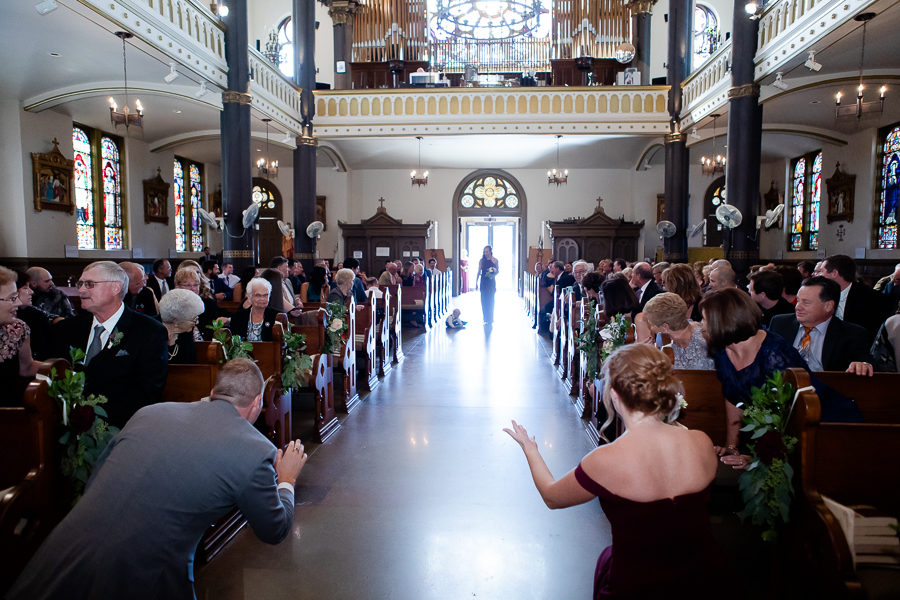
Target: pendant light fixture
(125, 116)
(267, 168)
(860, 107)
(418, 176)
(713, 165)
(556, 175)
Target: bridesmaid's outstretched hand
(519, 434)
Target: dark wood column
(235, 139)
(304, 22)
(744, 141)
(640, 36)
(677, 155)
(341, 13)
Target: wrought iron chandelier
(125, 116)
(418, 176)
(556, 175)
(713, 165)
(273, 48)
(267, 168)
(860, 107)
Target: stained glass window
(489, 192)
(112, 194)
(806, 200)
(84, 188)
(179, 207)
(99, 198)
(889, 188)
(263, 197)
(188, 177)
(196, 231)
(706, 34)
(286, 48)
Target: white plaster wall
(17, 197)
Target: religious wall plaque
(840, 187)
(54, 188)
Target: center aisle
(421, 495)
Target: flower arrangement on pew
(233, 345)
(588, 341)
(297, 366)
(337, 327)
(766, 484)
(613, 335)
(85, 430)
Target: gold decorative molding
(308, 140)
(676, 137)
(743, 254)
(232, 97)
(237, 254)
(640, 6)
(342, 11)
(742, 91)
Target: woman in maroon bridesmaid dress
(653, 483)
(464, 273)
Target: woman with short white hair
(255, 324)
(179, 310)
(343, 283)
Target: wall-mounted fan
(285, 229)
(729, 216)
(666, 229)
(249, 215)
(313, 230)
(209, 220)
(773, 216)
(695, 229)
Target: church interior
(138, 130)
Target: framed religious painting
(840, 188)
(53, 180)
(320, 212)
(156, 200)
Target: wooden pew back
(876, 396)
(706, 404)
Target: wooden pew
(34, 497)
(705, 403)
(878, 397)
(556, 352)
(366, 352)
(322, 384)
(583, 399)
(853, 463)
(396, 303)
(347, 397)
(572, 362)
(383, 334)
(414, 302)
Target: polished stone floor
(421, 495)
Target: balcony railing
(273, 93)
(707, 88)
(355, 113)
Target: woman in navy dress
(487, 273)
(653, 483)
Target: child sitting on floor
(454, 322)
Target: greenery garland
(336, 326)
(233, 345)
(85, 429)
(297, 364)
(588, 341)
(766, 484)
(613, 335)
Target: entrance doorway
(502, 235)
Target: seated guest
(564, 277)
(619, 265)
(179, 311)
(418, 276)
(188, 279)
(227, 275)
(47, 296)
(389, 275)
(805, 268)
(125, 352)
(665, 313)
(658, 269)
(766, 288)
(722, 277)
(139, 298)
(592, 283)
(555, 272)
(580, 268)
(359, 287)
(280, 264)
(792, 281)
(643, 283)
(826, 342)
(220, 291)
(37, 320)
(409, 270)
(161, 279)
(618, 297)
(453, 320)
(343, 284)
(316, 289)
(681, 279)
(205, 289)
(858, 304)
(653, 485)
(173, 470)
(891, 288)
(604, 267)
(255, 324)
(745, 355)
(432, 267)
(240, 288)
(886, 349)
(279, 298)
(15, 347)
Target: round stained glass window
(467, 201)
(257, 196)
(512, 201)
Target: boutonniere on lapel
(267, 324)
(115, 339)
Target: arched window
(286, 48)
(888, 188)
(187, 175)
(489, 192)
(806, 196)
(706, 34)
(99, 219)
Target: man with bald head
(643, 283)
(139, 298)
(722, 277)
(47, 296)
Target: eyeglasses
(89, 285)
(259, 295)
(12, 299)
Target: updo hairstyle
(643, 378)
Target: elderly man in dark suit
(160, 281)
(826, 342)
(858, 304)
(126, 353)
(643, 283)
(173, 470)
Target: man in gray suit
(174, 469)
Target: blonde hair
(186, 275)
(643, 379)
(666, 309)
(680, 279)
(7, 276)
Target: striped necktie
(804, 343)
(96, 344)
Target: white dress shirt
(163, 286)
(839, 312)
(108, 326)
(641, 290)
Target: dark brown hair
(730, 316)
